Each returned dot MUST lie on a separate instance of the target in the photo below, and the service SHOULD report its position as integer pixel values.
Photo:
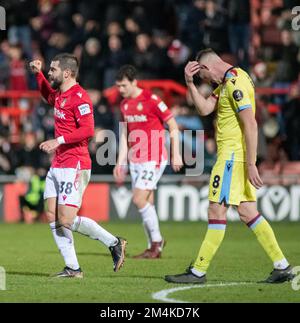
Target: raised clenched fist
(35, 66)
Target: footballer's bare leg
(51, 209)
(217, 211)
(141, 198)
(67, 216)
(144, 201)
(257, 223)
(196, 274)
(247, 211)
(151, 198)
(63, 238)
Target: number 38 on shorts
(67, 185)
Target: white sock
(92, 229)
(197, 272)
(150, 221)
(281, 264)
(65, 243)
(147, 232)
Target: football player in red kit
(71, 166)
(143, 144)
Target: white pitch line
(163, 294)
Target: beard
(55, 84)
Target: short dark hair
(68, 61)
(204, 52)
(127, 71)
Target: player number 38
(67, 187)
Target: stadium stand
(106, 34)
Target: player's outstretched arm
(204, 106)
(45, 88)
(250, 132)
(176, 159)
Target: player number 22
(68, 189)
(148, 176)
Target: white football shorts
(67, 184)
(145, 176)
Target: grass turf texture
(29, 255)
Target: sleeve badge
(238, 95)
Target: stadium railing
(167, 90)
(15, 105)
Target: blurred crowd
(158, 37)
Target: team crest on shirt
(79, 94)
(140, 106)
(62, 105)
(126, 106)
(238, 95)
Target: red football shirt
(74, 120)
(145, 116)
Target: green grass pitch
(29, 256)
